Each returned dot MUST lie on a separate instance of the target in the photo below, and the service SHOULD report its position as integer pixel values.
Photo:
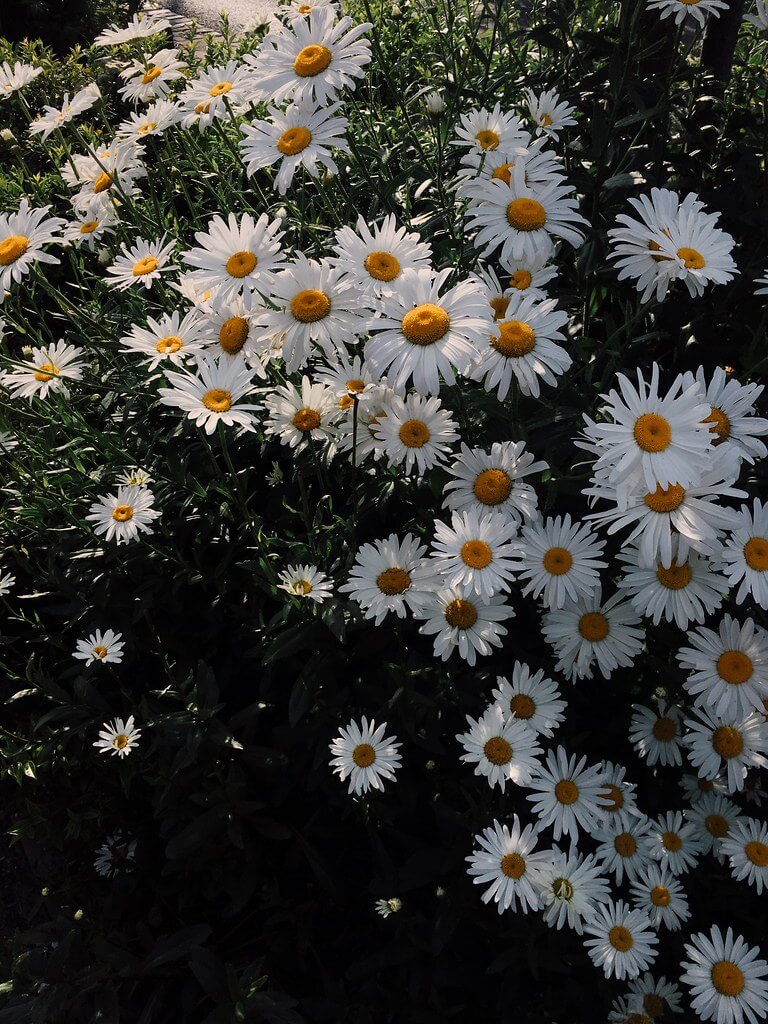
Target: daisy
(136, 476)
(124, 515)
(682, 592)
(674, 842)
(90, 227)
(142, 263)
(734, 747)
(116, 854)
(141, 26)
(213, 393)
(726, 978)
(53, 118)
(559, 560)
(388, 907)
(682, 10)
(106, 647)
(234, 255)
(567, 794)
(571, 888)
(744, 554)
(298, 10)
(314, 59)
(695, 788)
(423, 334)
(306, 581)
(728, 669)
(658, 996)
(119, 737)
(434, 103)
(358, 431)
(620, 794)
(524, 347)
(7, 581)
(507, 862)
(151, 78)
(492, 481)
(391, 576)
(155, 119)
(475, 552)
(297, 415)
(479, 166)
(529, 277)
(659, 893)
(16, 76)
(22, 237)
(349, 379)
(530, 698)
(302, 136)
(549, 112)
(656, 734)
(375, 259)
(623, 940)
(700, 251)
(417, 432)
(731, 418)
(502, 749)
(747, 850)
(591, 632)
(217, 91)
(498, 294)
(171, 339)
(104, 177)
(487, 130)
(622, 845)
(715, 819)
(46, 371)
(457, 619)
(365, 755)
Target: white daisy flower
(475, 552)
(391, 576)
(568, 795)
(659, 893)
(620, 794)
(375, 258)
(388, 907)
(53, 118)
(715, 818)
(118, 737)
(529, 277)
(434, 103)
(141, 26)
(358, 431)
(297, 415)
(102, 177)
(623, 847)
(314, 59)
(47, 371)
(623, 940)
(559, 560)
(115, 855)
(524, 347)
(571, 888)
(700, 250)
(725, 977)
(215, 391)
(656, 735)
(479, 166)
(487, 130)
(423, 334)
(531, 698)
(142, 263)
(416, 433)
(744, 555)
(157, 118)
(657, 996)
(731, 419)
(550, 113)
(674, 842)
(746, 849)
(502, 749)
(728, 668)
(151, 78)
(171, 339)
(507, 862)
(106, 647)
(492, 481)
(90, 227)
(681, 10)
(365, 755)
(139, 477)
(7, 581)
(734, 747)
(306, 581)
(16, 76)
(591, 632)
(459, 620)
(627, 1010)
(302, 136)
(349, 379)
(22, 237)
(696, 788)
(124, 515)
(215, 92)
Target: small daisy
(530, 698)
(623, 846)
(571, 888)
(233, 256)
(731, 420)
(747, 851)
(559, 560)
(157, 118)
(681, 10)
(623, 940)
(457, 619)
(507, 862)
(744, 554)
(298, 415)
(217, 91)
(475, 552)
(119, 737)
(733, 747)
(417, 433)
(374, 259)
(530, 277)
(365, 755)
(124, 515)
(568, 795)
(659, 893)
(696, 788)
(151, 78)
(306, 581)
(115, 855)
(502, 749)
(212, 392)
(142, 263)
(388, 907)
(480, 166)
(230, 328)
(7, 581)
(674, 842)
(700, 251)
(22, 237)
(104, 177)
(726, 978)
(492, 481)
(16, 76)
(391, 576)
(141, 26)
(46, 372)
(657, 996)
(171, 339)
(358, 431)
(715, 818)
(53, 118)
(656, 734)
(349, 379)
(488, 130)
(620, 794)
(550, 113)
(106, 647)
(136, 476)
(90, 227)
(591, 632)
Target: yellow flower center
(498, 751)
(545, 119)
(414, 434)
(363, 755)
(521, 279)
(499, 305)
(306, 420)
(727, 741)
(621, 938)
(513, 865)
(425, 324)
(664, 729)
(502, 172)
(461, 614)
(310, 305)
(303, 587)
(562, 889)
(660, 898)
(756, 553)
(146, 265)
(734, 667)
(382, 266)
(672, 842)
(148, 126)
(653, 1005)
(566, 792)
(716, 825)
(393, 581)
(705, 785)
(665, 499)
(12, 248)
(593, 626)
(515, 339)
(233, 334)
(488, 139)
(652, 432)
(151, 74)
(122, 513)
(757, 853)
(720, 425)
(557, 561)
(46, 371)
(100, 651)
(526, 214)
(102, 183)
(676, 577)
(727, 978)
(476, 554)
(217, 400)
(615, 796)
(88, 227)
(492, 486)
(170, 344)
(120, 741)
(356, 385)
(625, 845)
(220, 89)
(241, 264)
(656, 248)
(522, 706)
(203, 108)
(294, 140)
(312, 60)
(692, 259)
